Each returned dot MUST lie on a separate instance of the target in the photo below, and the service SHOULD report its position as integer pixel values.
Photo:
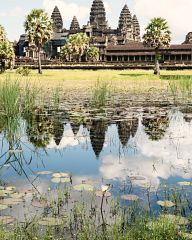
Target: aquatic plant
(180, 87)
(100, 94)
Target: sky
(176, 12)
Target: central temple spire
(98, 15)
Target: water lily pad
(60, 175)
(56, 180)
(100, 194)
(166, 204)
(187, 236)
(84, 187)
(6, 220)
(11, 201)
(3, 193)
(39, 203)
(44, 173)
(176, 219)
(185, 183)
(3, 206)
(50, 221)
(130, 197)
(137, 178)
(17, 195)
(10, 188)
(65, 180)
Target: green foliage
(92, 54)
(157, 34)
(6, 49)
(15, 100)
(2, 33)
(39, 29)
(181, 88)
(9, 98)
(101, 94)
(75, 48)
(24, 71)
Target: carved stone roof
(57, 19)
(74, 24)
(98, 15)
(139, 46)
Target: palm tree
(66, 52)
(92, 54)
(39, 29)
(76, 47)
(157, 35)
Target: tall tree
(39, 29)
(157, 35)
(6, 49)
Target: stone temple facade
(97, 28)
(122, 44)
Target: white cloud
(169, 157)
(69, 140)
(176, 12)
(68, 10)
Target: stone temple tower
(57, 20)
(136, 29)
(98, 15)
(125, 23)
(74, 27)
(128, 26)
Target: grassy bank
(133, 85)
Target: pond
(142, 154)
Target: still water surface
(150, 150)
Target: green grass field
(83, 81)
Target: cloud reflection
(168, 157)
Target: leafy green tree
(76, 47)
(6, 53)
(92, 54)
(39, 29)
(2, 33)
(157, 35)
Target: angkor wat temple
(122, 44)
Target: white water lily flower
(104, 188)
